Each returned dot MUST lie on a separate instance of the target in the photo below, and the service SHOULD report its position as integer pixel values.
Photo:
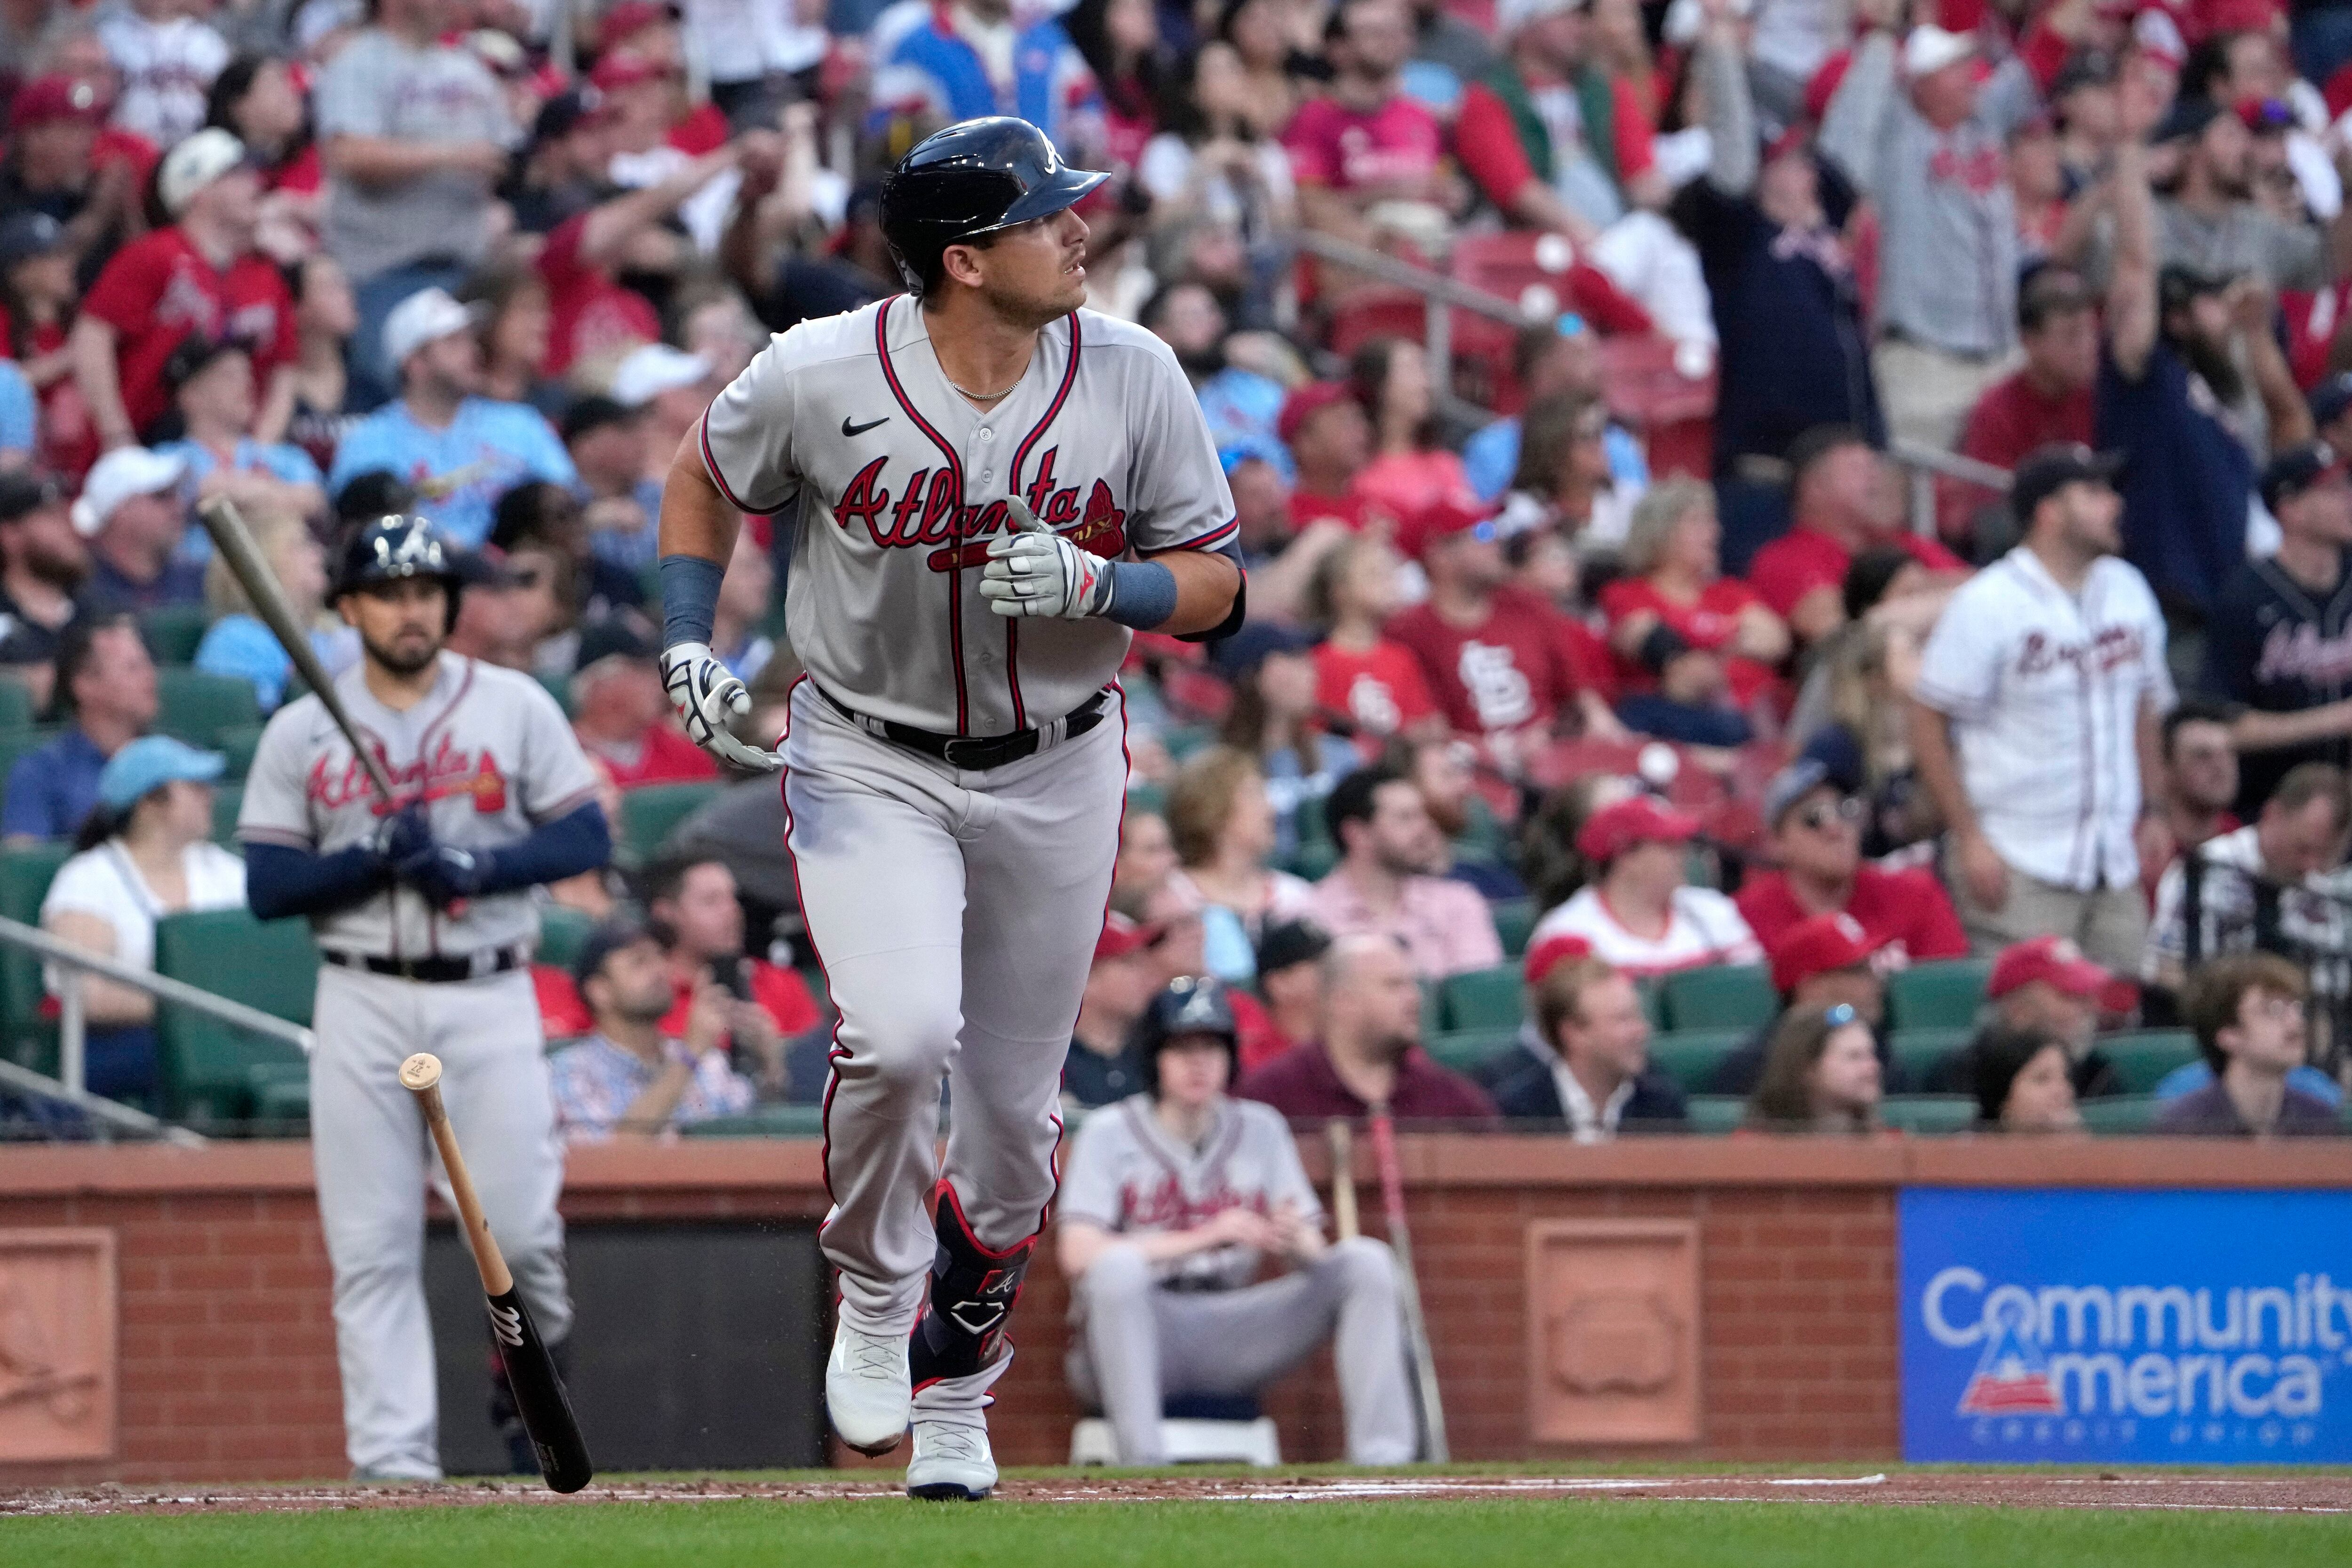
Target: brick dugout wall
(227, 1356)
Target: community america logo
(2012, 1376)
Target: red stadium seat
(1674, 413)
(1543, 275)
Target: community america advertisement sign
(2153, 1327)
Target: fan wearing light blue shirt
(1544, 361)
(213, 387)
(461, 452)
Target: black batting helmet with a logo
(970, 179)
(1192, 1005)
(401, 544)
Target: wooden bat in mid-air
(243, 557)
(539, 1394)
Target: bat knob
(420, 1072)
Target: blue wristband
(690, 591)
(1142, 595)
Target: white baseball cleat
(952, 1462)
(867, 1390)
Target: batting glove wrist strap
(690, 591)
(706, 697)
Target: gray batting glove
(1032, 571)
(707, 696)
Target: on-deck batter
(995, 486)
(422, 911)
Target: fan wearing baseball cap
(1638, 912)
(1100, 1068)
(200, 275)
(1815, 845)
(1824, 962)
(1330, 440)
(2044, 986)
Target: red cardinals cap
(627, 19)
(1120, 937)
(1304, 404)
(1432, 525)
(2049, 957)
(1642, 819)
(1551, 952)
(622, 68)
(1821, 945)
(52, 98)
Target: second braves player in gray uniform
(424, 920)
(995, 486)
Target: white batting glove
(1033, 571)
(707, 696)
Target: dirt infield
(2320, 1494)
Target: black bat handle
(538, 1395)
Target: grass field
(1100, 1522)
(887, 1533)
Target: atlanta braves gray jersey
(1126, 1174)
(487, 751)
(902, 484)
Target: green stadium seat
(563, 932)
(767, 1122)
(1313, 859)
(1929, 1114)
(1433, 1010)
(1716, 1114)
(228, 799)
(1306, 819)
(206, 1065)
(1916, 1051)
(1690, 1057)
(2121, 1113)
(237, 743)
(1513, 919)
(1721, 996)
(1943, 994)
(559, 688)
(1484, 998)
(173, 631)
(25, 877)
(2142, 1058)
(1146, 799)
(281, 1097)
(15, 705)
(1654, 1004)
(1466, 1050)
(1184, 739)
(197, 707)
(649, 812)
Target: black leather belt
(437, 971)
(978, 753)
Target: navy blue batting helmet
(972, 179)
(1191, 1004)
(395, 546)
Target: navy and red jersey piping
(955, 467)
(1021, 456)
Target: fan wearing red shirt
(1372, 684)
(200, 275)
(1330, 440)
(1499, 660)
(1845, 500)
(1367, 142)
(1816, 830)
(699, 920)
(594, 315)
(2048, 399)
(625, 715)
(1674, 579)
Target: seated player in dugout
(997, 489)
(1171, 1201)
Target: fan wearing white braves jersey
(2037, 713)
(996, 489)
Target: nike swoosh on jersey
(849, 429)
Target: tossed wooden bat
(1343, 1177)
(1424, 1367)
(539, 1394)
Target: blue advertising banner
(2042, 1326)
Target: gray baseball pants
(373, 1156)
(955, 913)
(1137, 1344)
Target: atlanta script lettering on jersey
(1164, 1206)
(2110, 648)
(930, 498)
(450, 771)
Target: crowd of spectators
(1661, 624)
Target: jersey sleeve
(127, 288)
(747, 434)
(277, 808)
(557, 779)
(1089, 1189)
(1177, 495)
(1288, 1182)
(1960, 669)
(1487, 144)
(350, 99)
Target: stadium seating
(1916, 1051)
(1690, 1057)
(197, 707)
(1945, 993)
(237, 743)
(16, 706)
(2121, 1113)
(559, 688)
(1716, 1112)
(1513, 919)
(766, 1121)
(563, 932)
(2142, 1058)
(173, 631)
(1466, 1050)
(1482, 998)
(25, 876)
(227, 800)
(1928, 1113)
(649, 812)
(205, 1066)
(1724, 996)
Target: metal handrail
(1436, 289)
(1924, 463)
(71, 1083)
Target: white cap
(1929, 49)
(1510, 15)
(645, 373)
(194, 164)
(1686, 18)
(122, 473)
(425, 316)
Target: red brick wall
(227, 1357)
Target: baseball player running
(422, 911)
(997, 488)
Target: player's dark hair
(2048, 291)
(1352, 800)
(927, 270)
(2193, 710)
(77, 646)
(1998, 1054)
